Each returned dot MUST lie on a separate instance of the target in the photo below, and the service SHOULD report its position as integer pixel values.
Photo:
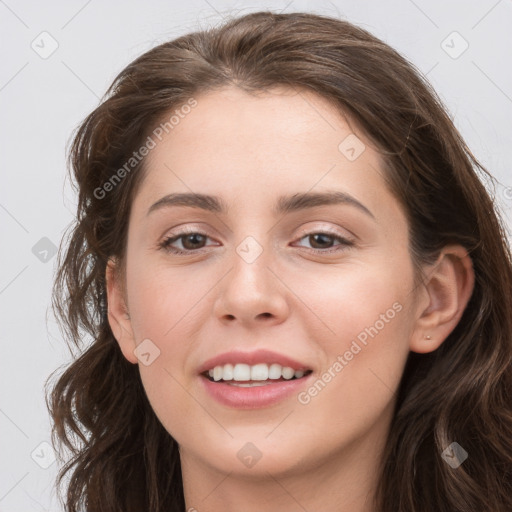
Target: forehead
(251, 148)
(229, 118)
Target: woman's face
(326, 283)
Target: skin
(250, 150)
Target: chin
(257, 456)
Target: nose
(251, 293)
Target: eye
(324, 242)
(191, 241)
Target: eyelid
(182, 233)
(178, 231)
(327, 230)
(188, 229)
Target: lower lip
(254, 397)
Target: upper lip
(251, 358)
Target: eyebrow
(285, 204)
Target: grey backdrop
(58, 58)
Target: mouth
(253, 380)
(244, 375)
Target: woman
(298, 289)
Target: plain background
(44, 97)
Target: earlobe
(118, 316)
(447, 289)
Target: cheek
(164, 300)
(164, 304)
(366, 346)
(355, 301)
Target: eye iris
(192, 237)
(313, 240)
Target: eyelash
(166, 242)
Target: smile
(255, 375)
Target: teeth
(257, 372)
(240, 372)
(228, 372)
(274, 372)
(217, 373)
(288, 372)
(248, 384)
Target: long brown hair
(121, 458)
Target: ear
(444, 297)
(118, 316)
